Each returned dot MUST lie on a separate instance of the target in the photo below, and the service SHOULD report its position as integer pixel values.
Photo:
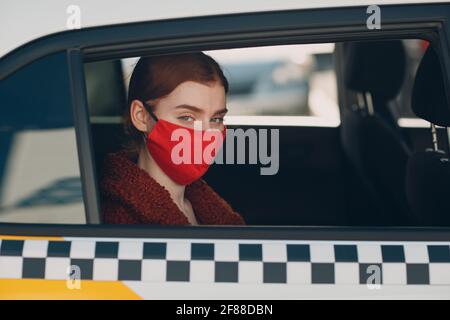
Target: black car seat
(428, 172)
(371, 138)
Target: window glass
(291, 92)
(401, 106)
(281, 80)
(296, 82)
(39, 172)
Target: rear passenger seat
(428, 172)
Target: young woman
(143, 184)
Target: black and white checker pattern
(227, 261)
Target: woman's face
(188, 102)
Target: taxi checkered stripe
(227, 262)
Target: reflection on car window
(414, 49)
(296, 80)
(288, 80)
(39, 173)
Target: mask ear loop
(154, 117)
(150, 111)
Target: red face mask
(183, 154)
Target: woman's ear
(139, 116)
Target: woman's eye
(217, 120)
(186, 118)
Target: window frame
(426, 21)
(82, 125)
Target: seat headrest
(429, 98)
(377, 67)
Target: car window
(39, 171)
(291, 80)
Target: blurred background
(295, 80)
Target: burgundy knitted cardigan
(129, 195)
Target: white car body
(33, 20)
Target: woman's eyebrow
(224, 110)
(199, 110)
(192, 108)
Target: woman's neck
(176, 191)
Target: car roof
(24, 21)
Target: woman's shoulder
(113, 212)
(210, 208)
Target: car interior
(367, 171)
